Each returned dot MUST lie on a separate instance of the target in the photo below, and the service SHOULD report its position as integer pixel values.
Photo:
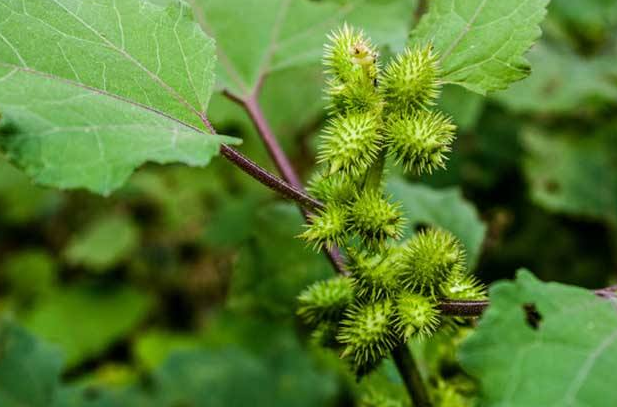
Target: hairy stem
(270, 180)
(410, 374)
(253, 109)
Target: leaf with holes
(121, 82)
(563, 353)
(482, 42)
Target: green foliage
(85, 321)
(442, 208)
(29, 370)
(482, 48)
(180, 288)
(130, 107)
(561, 356)
(572, 175)
(104, 243)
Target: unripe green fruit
(351, 143)
(367, 332)
(375, 276)
(461, 286)
(416, 316)
(327, 228)
(411, 81)
(325, 300)
(419, 140)
(374, 219)
(337, 188)
(429, 258)
(350, 56)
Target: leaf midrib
(101, 92)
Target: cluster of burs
(391, 292)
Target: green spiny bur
(411, 81)
(390, 295)
(416, 316)
(374, 219)
(429, 258)
(335, 188)
(327, 228)
(462, 286)
(325, 300)
(367, 332)
(351, 143)
(375, 276)
(419, 140)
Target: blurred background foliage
(179, 289)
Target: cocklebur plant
(392, 292)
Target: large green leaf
(83, 321)
(482, 42)
(444, 208)
(29, 370)
(561, 81)
(566, 355)
(258, 37)
(573, 175)
(92, 89)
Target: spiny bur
(416, 316)
(350, 143)
(460, 285)
(419, 140)
(411, 81)
(366, 331)
(335, 188)
(374, 219)
(375, 276)
(325, 300)
(352, 66)
(429, 258)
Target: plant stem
(251, 105)
(410, 374)
(279, 157)
(270, 180)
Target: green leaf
(258, 37)
(121, 83)
(561, 82)
(104, 243)
(30, 272)
(29, 370)
(267, 280)
(573, 175)
(444, 208)
(21, 201)
(482, 42)
(567, 360)
(84, 321)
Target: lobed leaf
(482, 42)
(93, 89)
(563, 356)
